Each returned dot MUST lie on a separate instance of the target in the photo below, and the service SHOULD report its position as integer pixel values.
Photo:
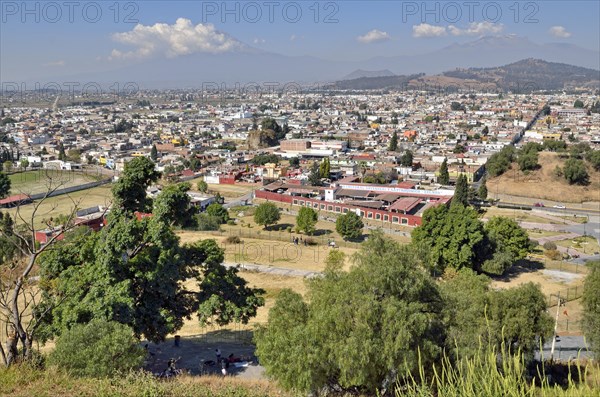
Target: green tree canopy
(406, 159)
(358, 330)
(267, 214)
(575, 172)
(217, 210)
(443, 175)
(453, 237)
(98, 349)
(5, 185)
(306, 220)
(393, 146)
(153, 153)
(591, 307)
(461, 191)
(129, 191)
(173, 204)
(483, 191)
(508, 236)
(202, 186)
(349, 226)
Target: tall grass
(493, 374)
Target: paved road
(567, 348)
(242, 200)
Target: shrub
(233, 240)
(555, 255)
(550, 245)
(231, 222)
(208, 222)
(310, 241)
(98, 349)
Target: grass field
(519, 215)
(64, 204)
(38, 181)
(227, 191)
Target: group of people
(225, 362)
(297, 241)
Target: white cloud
(181, 38)
(259, 41)
(559, 31)
(55, 63)
(477, 29)
(427, 30)
(373, 36)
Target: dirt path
(282, 271)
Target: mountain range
(252, 65)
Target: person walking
(218, 353)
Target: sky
(54, 38)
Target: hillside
(543, 184)
(531, 74)
(522, 76)
(357, 74)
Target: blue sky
(358, 30)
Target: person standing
(218, 353)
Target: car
(560, 206)
(538, 205)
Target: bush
(555, 255)
(575, 172)
(233, 240)
(98, 349)
(231, 222)
(310, 241)
(208, 222)
(550, 245)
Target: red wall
(409, 220)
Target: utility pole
(555, 328)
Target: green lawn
(39, 181)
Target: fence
(239, 333)
(71, 189)
(565, 295)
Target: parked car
(560, 206)
(538, 205)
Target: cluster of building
(365, 137)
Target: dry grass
(519, 215)
(544, 184)
(65, 204)
(227, 191)
(583, 244)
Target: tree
(349, 226)
(575, 172)
(173, 205)
(135, 272)
(461, 192)
(153, 153)
(217, 210)
(360, 331)
(314, 177)
(407, 159)
(578, 104)
(593, 157)
(483, 191)
(306, 220)
(202, 186)
(61, 152)
(476, 314)
(528, 161)
(129, 191)
(295, 162)
(508, 236)
(5, 185)
(7, 166)
(393, 142)
(24, 163)
(267, 214)
(443, 174)
(591, 307)
(452, 237)
(98, 349)
(324, 168)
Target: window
(370, 215)
(395, 219)
(386, 218)
(301, 202)
(295, 202)
(316, 205)
(330, 208)
(322, 206)
(338, 209)
(345, 210)
(404, 221)
(377, 216)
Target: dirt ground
(197, 356)
(544, 184)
